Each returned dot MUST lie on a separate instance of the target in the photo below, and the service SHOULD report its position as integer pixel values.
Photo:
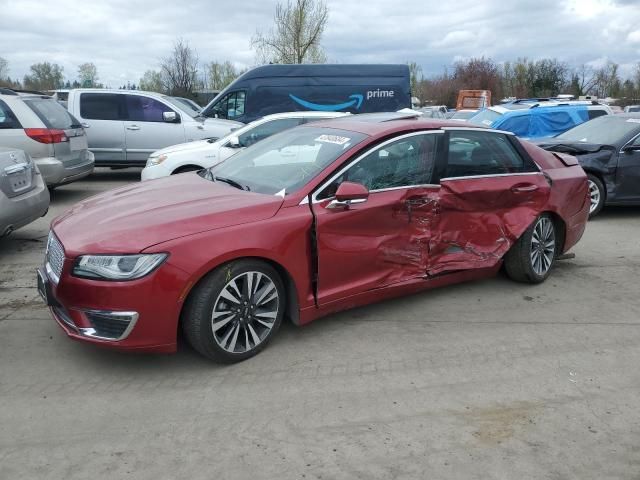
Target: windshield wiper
(231, 182)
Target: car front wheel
(531, 258)
(233, 312)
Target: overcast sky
(123, 38)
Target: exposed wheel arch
(561, 230)
(292, 310)
(186, 168)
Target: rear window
(596, 113)
(485, 117)
(52, 114)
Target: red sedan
(317, 219)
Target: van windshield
(286, 161)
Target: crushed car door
(491, 191)
(384, 239)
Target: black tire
(520, 261)
(209, 299)
(186, 168)
(597, 198)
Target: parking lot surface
(482, 380)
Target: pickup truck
(124, 126)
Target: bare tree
(179, 70)
(88, 75)
(151, 81)
(415, 77)
(296, 33)
(4, 68)
(583, 79)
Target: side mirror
(234, 142)
(349, 193)
(170, 117)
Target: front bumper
(56, 173)
(152, 172)
(138, 315)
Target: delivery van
(328, 88)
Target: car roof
(300, 114)
(117, 90)
(373, 124)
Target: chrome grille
(54, 257)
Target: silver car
(124, 127)
(51, 136)
(24, 197)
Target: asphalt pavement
(484, 380)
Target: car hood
(189, 147)
(569, 146)
(135, 217)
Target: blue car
(538, 119)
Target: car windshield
(608, 130)
(52, 114)
(463, 115)
(485, 117)
(286, 161)
(182, 105)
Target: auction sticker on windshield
(338, 140)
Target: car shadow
(617, 212)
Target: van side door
(101, 115)
(149, 127)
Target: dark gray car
(24, 196)
(608, 149)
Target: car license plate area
(77, 143)
(20, 181)
(44, 288)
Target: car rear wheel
(596, 195)
(234, 311)
(531, 258)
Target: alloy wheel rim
(245, 312)
(594, 196)
(543, 246)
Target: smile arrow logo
(356, 100)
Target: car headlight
(156, 160)
(117, 267)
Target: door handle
(133, 127)
(524, 188)
(85, 125)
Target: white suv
(49, 134)
(207, 153)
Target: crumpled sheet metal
(477, 224)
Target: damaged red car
(314, 220)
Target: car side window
(231, 106)
(474, 153)
(403, 163)
(7, 119)
(266, 130)
(145, 109)
(102, 106)
(595, 113)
